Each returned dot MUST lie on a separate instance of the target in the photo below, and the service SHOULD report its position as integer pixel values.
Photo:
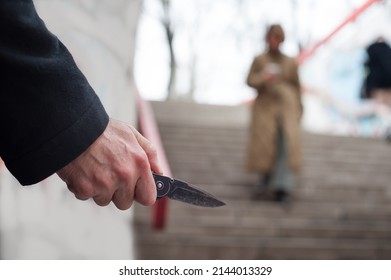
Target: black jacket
(49, 114)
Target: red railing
(307, 53)
(148, 127)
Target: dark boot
(280, 195)
(283, 197)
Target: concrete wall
(45, 221)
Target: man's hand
(116, 167)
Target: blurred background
(214, 42)
(190, 60)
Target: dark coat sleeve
(49, 114)
(379, 66)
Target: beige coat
(277, 103)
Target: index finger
(149, 150)
(145, 190)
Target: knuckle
(102, 201)
(123, 205)
(138, 156)
(142, 161)
(83, 192)
(123, 173)
(123, 198)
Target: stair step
(167, 246)
(341, 207)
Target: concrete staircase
(341, 209)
